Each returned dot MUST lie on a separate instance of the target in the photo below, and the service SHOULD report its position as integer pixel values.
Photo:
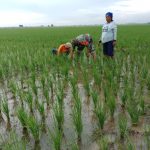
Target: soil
(91, 134)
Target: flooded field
(49, 102)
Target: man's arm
(59, 49)
(71, 53)
(115, 35)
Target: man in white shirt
(109, 35)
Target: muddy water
(88, 140)
(69, 136)
(69, 139)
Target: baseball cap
(109, 14)
(68, 44)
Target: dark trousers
(108, 48)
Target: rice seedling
(21, 95)
(118, 69)
(22, 80)
(43, 81)
(131, 93)
(75, 147)
(54, 75)
(29, 100)
(1, 74)
(58, 72)
(8, 70)
(58, 114)
(141, 105)
(124, 97)
(12, 142)
(65, 69)
(34, 128)
(125, 81)
(142, 85)
(148, 82)
(33, 69)
(74, 87)
(86, 82)
(101, 115)
(115, 86)
(23, 117)
(56, 138)
(87, 88)
(1, 118)
(75, 94)
(106, 89)
(77, 118)
(103, 143)
(77, 121)
(144, 72)
(5, 110)
(109, 77)
(130, 145)
(14, 89)
(40, 107)
(46, 95)
(33, 84)
(95, 98)
(111, 103)
(34, 89)
(51, 85)
(60, 96)
(74, 91)
(132, 76)
(133, 111)
(97, 77)
(122, 122)
(147, 135)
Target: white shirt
(109, 32)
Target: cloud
(134, 18)
(130, 11)
(14, 18)
(131, 6)
(69, 12)
(41, 2)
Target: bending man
(82, 41)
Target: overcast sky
(72, 12)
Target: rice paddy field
(53, 103)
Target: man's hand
(114, 43)
(99, 42)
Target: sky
(71, 12)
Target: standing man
(109, 35)
(82, 41)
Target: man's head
(88, 37)
(109, 16)
(54, 51)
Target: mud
(90, 135)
